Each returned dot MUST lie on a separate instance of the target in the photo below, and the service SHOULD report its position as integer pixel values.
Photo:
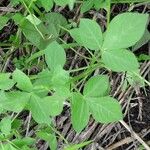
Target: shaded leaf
(54, 21)
(47, 4)
(34, 36)
(145, 38)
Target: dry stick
(120, 143)
(135, 135)
(28, 124)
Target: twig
(8, 9)
(120, 143)
(136, 136)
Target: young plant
(45, 94)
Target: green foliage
(47, 4)
(88, 34)
(97, 4)
(50, 138)
(36, 38)
(125, 30)
(40, 45)
(79, 111)
(120, 60)
(3, 21)
(77, 146)
(23, 142)
(14, 101)
(5, 126)
(54, 22)
(54, 104)
(39, 109)
(97, 86)
(105, 109)
(55, 55)
(23, 81)
(145, 38)
(5, 82)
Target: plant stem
(108, 12)
(61, 136)
(33, 20)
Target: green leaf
(54, 21)
(3, 21)
(60, 77)
(23, 81)
(47, 4)
(39, 109)
(86, 6)
(61, 2)
(24, 141)
(105, 109)
(7, 147)
(14, 2)
(43, 83)
(125, 30)
(71, 4)
(120, 60)
(79, 112)
(50, 138)
(65, 2)
(55, 55)
(16, 124)
(14, 101)
(97, 86)
(5, 126)
(34, 36)
(5, 82)
(33, 19)
(77, 146)
(144, 57)
(101, 4)
(55, 104)
(142, 41)
(88, 34)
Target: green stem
(90, 69)
(33, 20)
(147, 82)
(108, 13)
(61, 136)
